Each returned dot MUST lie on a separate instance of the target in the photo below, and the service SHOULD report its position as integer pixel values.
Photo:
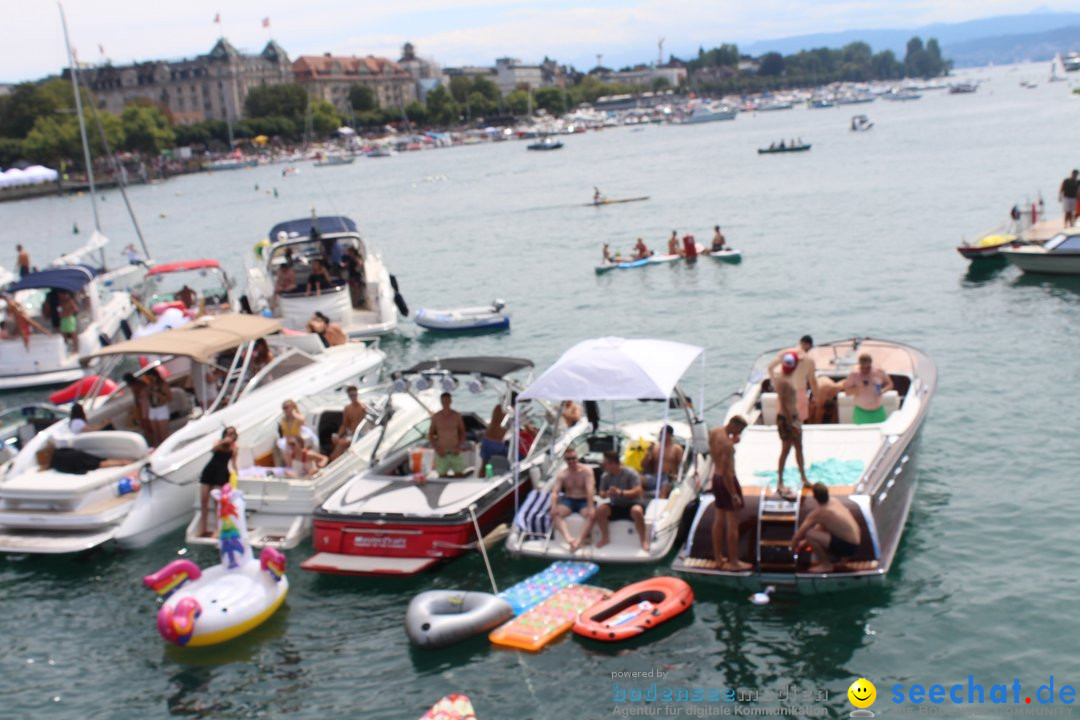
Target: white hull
(1041, 262)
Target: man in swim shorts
(804, 376)
(577, 486)
(447, 437)
(830, 530)
(727, 495)
(494, 440)
(668, 470)
(867, 385)
(788, 423)
(625, 500)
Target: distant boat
(1072, 62)
(860, 123)
(334, 159)
(818, 103)
(615, 201)
(708, 113)
(784, 149)
(548, 143)
(900, 95)
(963, 88)
(230, 164)
(1057, 69)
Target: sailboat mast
(82, 123)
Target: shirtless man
(578, 486)
(727, 494)
(447, 437)
(717, 240)
(830, 530)
(351, 417)
(494, 440)
(867, 385)
(669, 469)
(788, 423)
(673, 246)
(641, 250)
(805, 374)
(22, 261)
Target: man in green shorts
(867, 385)
(447, 437)
(69, 321)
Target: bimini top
(614, 368)
(201, 340)
(302, 227)
(487, 366)
(70, 278)
(182, 265)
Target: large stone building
(208, 87)
(331, 78)
(425, 73)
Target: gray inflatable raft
(442, 617)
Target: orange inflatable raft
(635, 609)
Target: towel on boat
(832, 472)
(534, 515)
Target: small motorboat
(1059, 256)
(548, 143)
(207, 607)
(728, 255)
(484, 318)
(988, 247)
(635, 609)
(803, 147)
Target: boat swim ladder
(777, 522)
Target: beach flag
(266, 22)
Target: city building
(425, 73)
(331, 78)
(511, 74)
(208, 87)
(646, 75)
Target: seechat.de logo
(862, 694)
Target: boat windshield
(209, 283)
(1064, 242)
(305, 250)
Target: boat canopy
(182, 265)
(201, 340)
(487, 366)
(71, 278)
(302, 227)
(614, 368)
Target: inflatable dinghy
(442, 617)
(635, 609)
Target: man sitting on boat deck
(727, 495)
(577, 486)
(447, 437)
(622, 488)
(669, 469)
(673, 245)
(641, 250)
(867, 385)
(351, 417)
(830, 530)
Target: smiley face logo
(862, 693)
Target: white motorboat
(400, 517)
(616, 369)
(45, 511)
(1059, 256)
(463, 320)
(211, 289)
(707, 112)
(364, 307)
(868, 468)
(331, 159)
(33, 352)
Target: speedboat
(617, 369)
(33, 352)
(548, 143)
(18, 425)
(484, 318)
(363, 311)
(400, 517)
(212, 290)
(1059, 256)
(869, 470)
(46, 511)
(706, 112)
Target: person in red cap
(788, 421)
(804, 376)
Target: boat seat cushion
(769, 404)
(111, 444)
(845, 405)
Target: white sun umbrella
(614, 368)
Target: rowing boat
(615, 201)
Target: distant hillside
(1013, 48)
(949, 35)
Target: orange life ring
(635, 609)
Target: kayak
(615, 201)
(729, 254)
(625, 265)
(635, 609)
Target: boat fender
(177, 624)
(272, 561)
(125, 328)
(127, 485)
(103, 339)
(402, 307)
(79, 389)
(245, 305)
(441, 617)
(170, 578)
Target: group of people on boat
(337, 261)
(830, 529)
(790, 144)
(675, 246)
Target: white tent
(614, 368)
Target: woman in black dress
(216, 474)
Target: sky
(467, 32)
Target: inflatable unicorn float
(211, 606)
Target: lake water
(855, 237)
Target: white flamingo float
(211, 606)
